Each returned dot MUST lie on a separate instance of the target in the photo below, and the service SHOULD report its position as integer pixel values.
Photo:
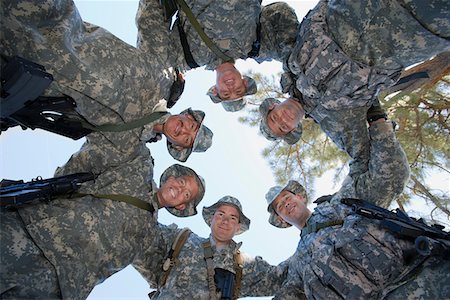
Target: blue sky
(232, 166)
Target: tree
(420, 106)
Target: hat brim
(178, 170)
(208, 213)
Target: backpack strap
(208, 255)
(238, 267)
(196, 25)
(172, 256)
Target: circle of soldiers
(62, 236)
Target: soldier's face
(178, 191)
(181, 130)
(284, 117)
(291, 208)
(225, 223)
(229, 82)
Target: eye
(187, 195)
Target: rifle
(428, 240)
(224, 280)
(15, 194)
(23, 83)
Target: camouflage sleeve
(279, 27)
(132, 177)
(348, 130)
(103, 151)
(261, 278)
(388, 169)
(292, 287)
(150, 263)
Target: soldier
(344, 255)
(213, 268)
(63, 248)
(110, 81)
(345, 53)
(238, 30)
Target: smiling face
(284, 117)
(178, 191)
(181, 130)
(291, 208)
(229, 82)
(225, 224)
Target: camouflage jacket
(350, 261)
(230, 24)
(335, 71)
(110, 81)
(188, 278)
(356, 260)
(88, 239)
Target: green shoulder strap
(202, 33)
(121, 198)
(125, 126)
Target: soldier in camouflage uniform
(188, 279)
(345, 53)
(110, 81)
(240, 29)
(63, 248)
(343, 255)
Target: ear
(237, 228)
(245, 82)
(281, 219)
(180, 207)
(212, 91)
(302, 199)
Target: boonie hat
(202, 141)
(234, 104)
(178, 170)
(264, 109)
(208, 212)
(292, 186)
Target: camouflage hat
(264, 109)
(177, 170)
(235, 104)
(292, 186)
(208, 212)
(202, 142)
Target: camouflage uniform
(230, 24)
(64, 248)
(346, 52)
(110, 81)
(189, 279)
(359, 259)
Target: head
(287, 206)
(231, 87)
(180, 190)
(186, 134)
(281, 120)
(226, 219)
